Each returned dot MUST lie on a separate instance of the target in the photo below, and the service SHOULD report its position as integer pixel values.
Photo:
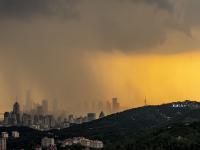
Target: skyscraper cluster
(38, 116)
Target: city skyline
(40, 117)
(52, 107)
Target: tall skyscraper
(16, 114)
(45, 106)
(16, 108)
(6, 118)
(55, 106)
(100, 106)
(40, 110)
(28, 105)
(115, 105)
(108, 107)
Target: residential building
(4, 134)
(15, 134)
(46, 142)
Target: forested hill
(135, 120)
(153, 127)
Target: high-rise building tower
(6, 118)
(16, 108)
(108, 107)
(28, 105)
(55, 106)
(115, 105)
(45, 106)
(16, 114)
(100, 106)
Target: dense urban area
(40, 118)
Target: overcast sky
(72, 50)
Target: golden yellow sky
(161, 78)
(131, 77)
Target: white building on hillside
(4, 134)
(96, 144)
(15, 134)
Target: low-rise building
(15, 134)
(4, 134)
(85, 142)
(38, 147)
(92, 143)
(67, 142)
(96, 144)
(77, 140)
(46, 142)
(35, 126)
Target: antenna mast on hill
(145, 101)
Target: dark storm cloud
(30, 8)
(107, 24)
(127, 25)
(33, 8)
(189, 12)
(165, 4)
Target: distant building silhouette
(91, 116)
(45, 106)
(16, 114)
(13, 117)
(100, 106)
(108, 107)
(28, 104)
(6, 118)
(55, 106)
(115, 105)
(16, 108)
